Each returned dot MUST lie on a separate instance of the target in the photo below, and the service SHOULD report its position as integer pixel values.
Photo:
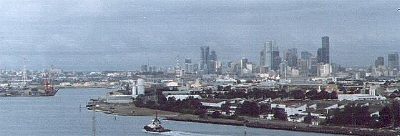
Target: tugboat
(155, 126)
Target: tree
(352, 114)
(298, 94)
(385, 117)
(279, 113)
(396, 113)
(226, 107)
(216, 114)
(249, 109)
(308, 118)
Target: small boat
(155, 126)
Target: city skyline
(109, 35)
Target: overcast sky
(124, 34)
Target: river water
(60, 115)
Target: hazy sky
(123, 34)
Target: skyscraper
(188, 66)
(212, 64)
(305, 55)
(269, 56)
(393, 60)
(291, 57)
(204, 61)
(380, 61)
(208, 62)
(320, 56)
(325, 50)
(276, 59)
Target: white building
(291, 109)
(359, 97)
(325, 70)
(371, 96)
(138, 88)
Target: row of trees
(189, 106)
(357, 115)
(266, 93)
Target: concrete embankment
(131, 110)
(284, 125)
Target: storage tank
(140, 86)
(134, 90)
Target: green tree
(396, 113)
(385, 117)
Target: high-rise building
(212, 64)
(188, 66)
(243, 63)
(291, 57)
(305, 63)
(305, 55)
(380, 61)
(208, 62)
(144, 68)
(204, 61)
(393, 60)
(276, 59)
(323, 53)
(269, 56)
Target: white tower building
(134, 90)
(140, 86)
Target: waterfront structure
(323, 53)
(138, 88)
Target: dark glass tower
(204, 60)
(393, 61)
(325, 50)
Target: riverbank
(284, 125)
(132, 110)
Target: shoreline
(289, 126)
(132, 110)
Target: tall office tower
(269, 56)
(393, 60)
(243, 63)
(319, 56)
(276, 59)
(325, 50)
(144, 68)
(204, 60)
(305, 55)
(212, 63)
(188, 66)
(380, 61)
(291, 57)
(305, 63)
(262, 57)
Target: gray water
(60, 115)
